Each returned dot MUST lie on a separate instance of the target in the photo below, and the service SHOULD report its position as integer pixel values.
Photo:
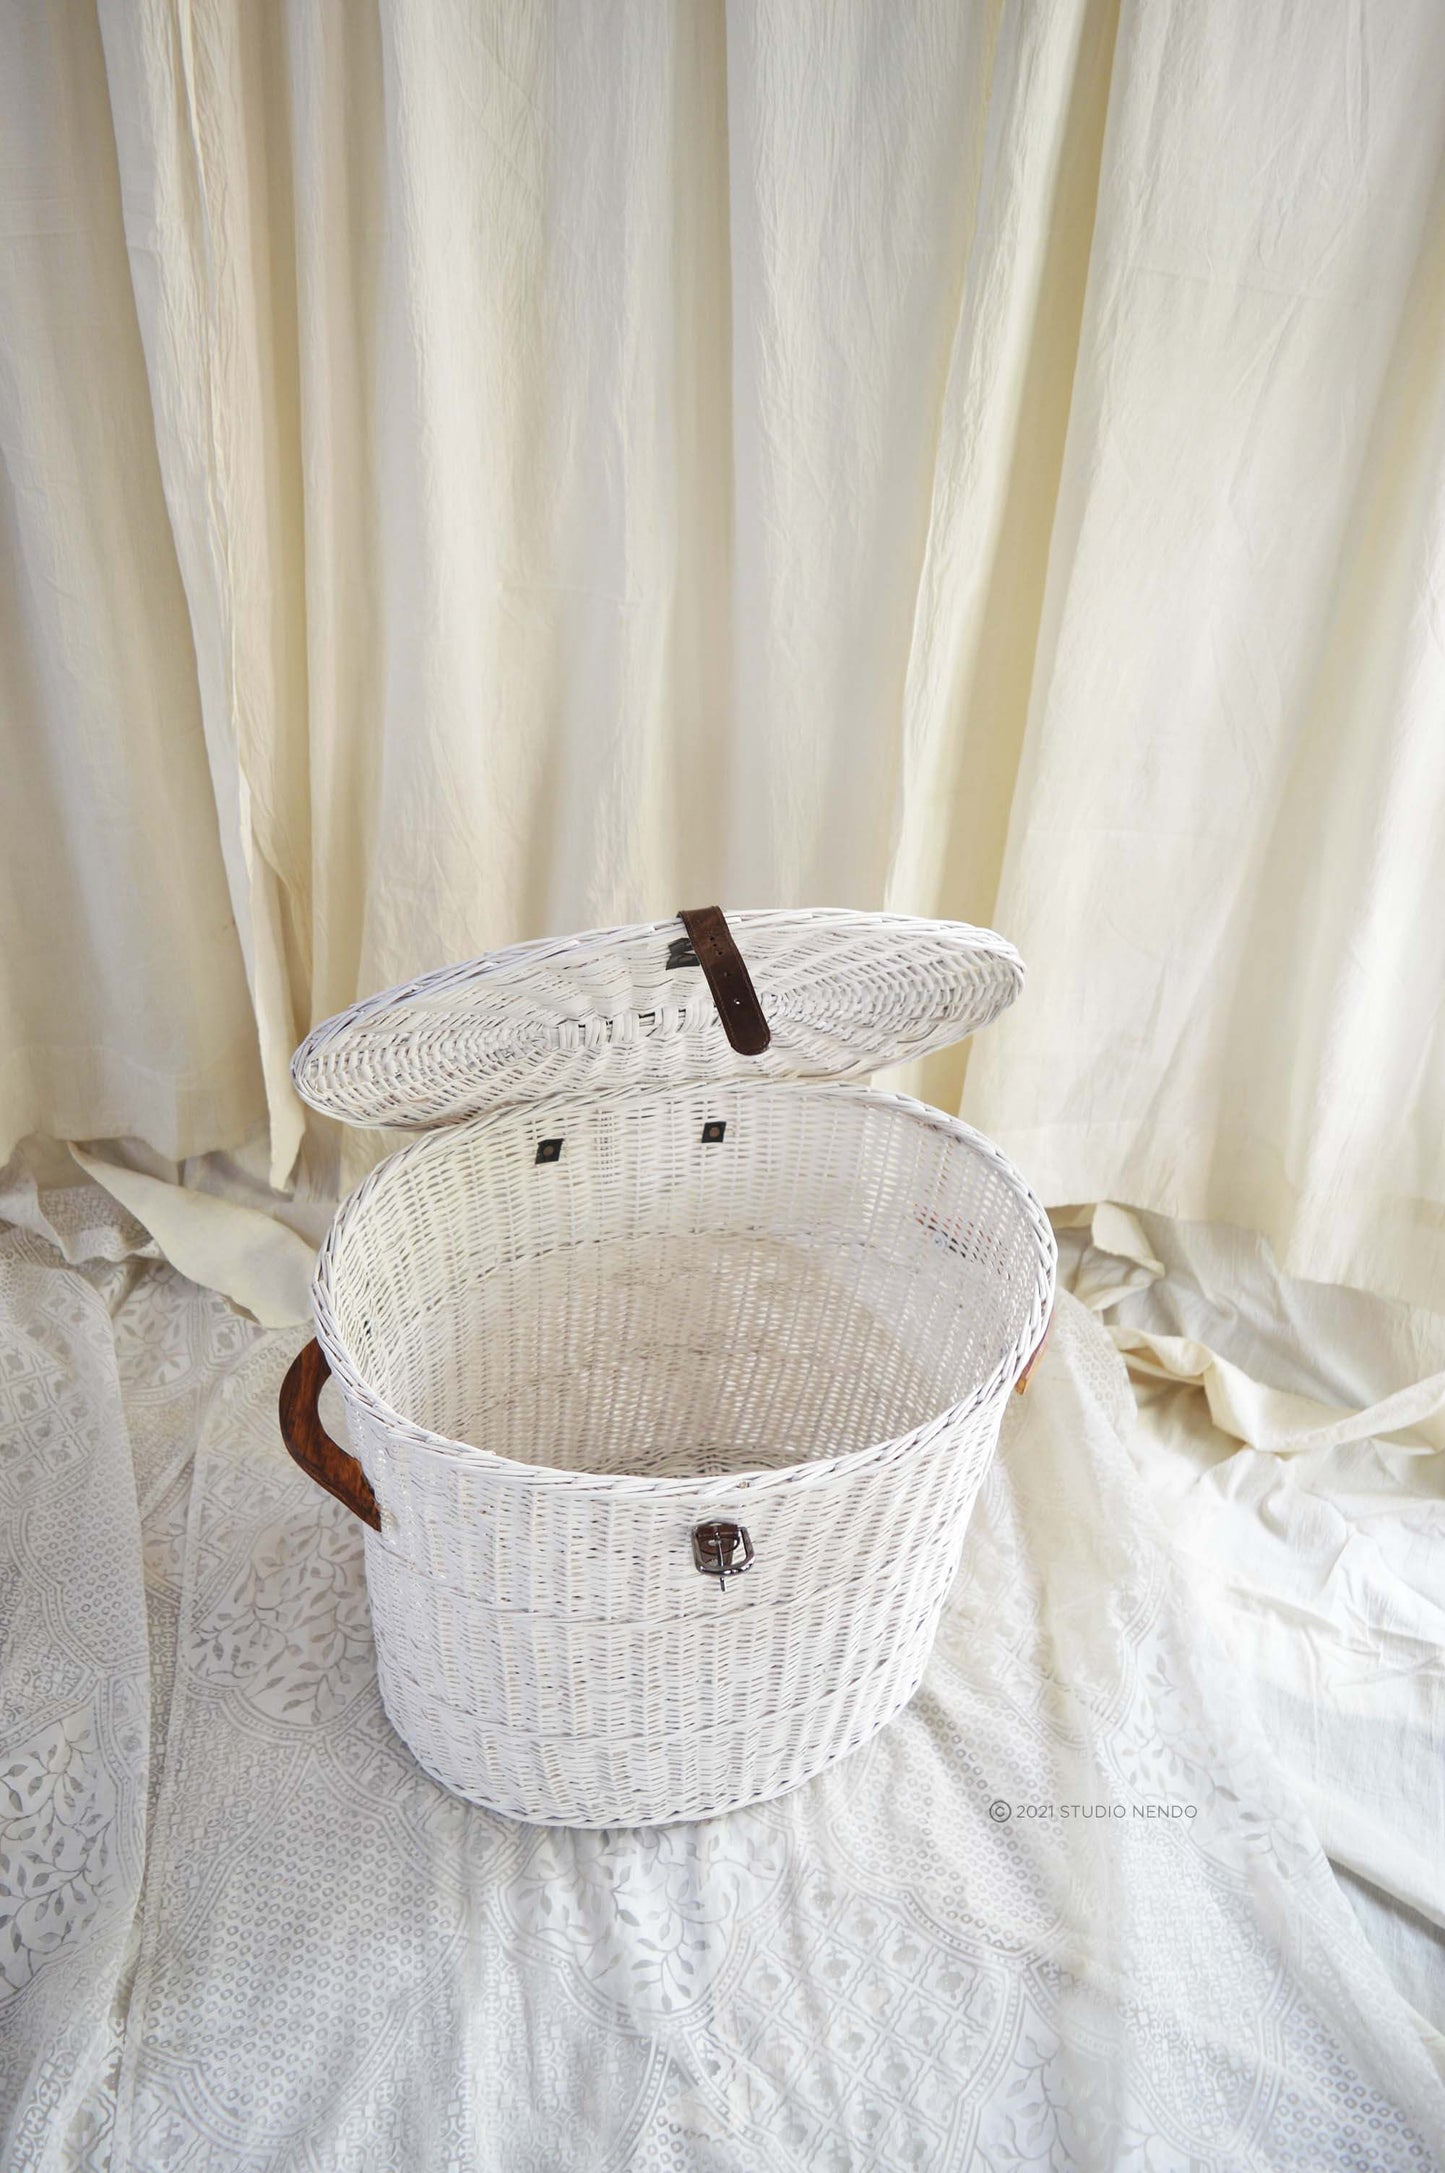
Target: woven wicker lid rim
(844, 993)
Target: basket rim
(722, 1487)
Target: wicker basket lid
(840, 994)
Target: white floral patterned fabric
(1063, 1914)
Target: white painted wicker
(844, 994)
(555, 1371)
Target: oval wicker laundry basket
(671, 1365)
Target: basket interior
(832, 1272)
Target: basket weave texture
(845, 993)
(554, 1371)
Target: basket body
(570, 1335)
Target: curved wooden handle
(321, 1458)
(1021, 1384)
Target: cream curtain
(474, 471)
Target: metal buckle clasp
(715, 1550)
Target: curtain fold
(1229, 816)
(198, 97)
(123, 994)
(560, 461)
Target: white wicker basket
(670, 1380)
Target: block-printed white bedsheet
(1063, 1914)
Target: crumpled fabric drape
(1300, 1488)
(474, 471)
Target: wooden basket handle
(321, 1458)
(1021, 1384)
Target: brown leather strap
(728, 978)
(321, 1458)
